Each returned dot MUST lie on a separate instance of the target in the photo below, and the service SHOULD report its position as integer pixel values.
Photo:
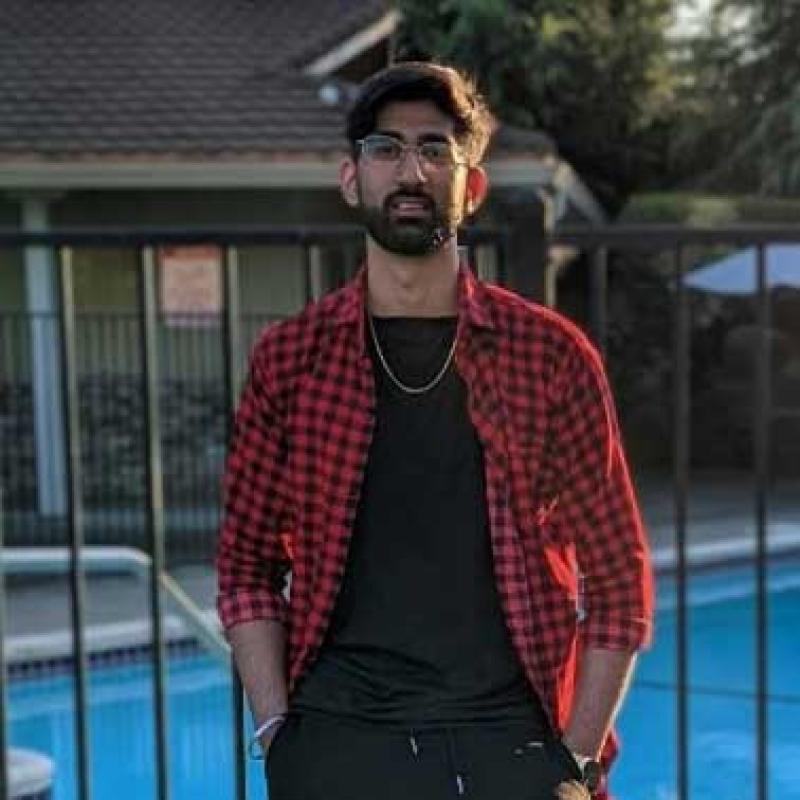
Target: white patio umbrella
(736, 274)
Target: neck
(412, 287)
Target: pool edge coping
(136, 633)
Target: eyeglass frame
(407, 147)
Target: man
(437, 462)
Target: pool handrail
(100, 559)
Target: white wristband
(265, 726)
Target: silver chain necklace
(395, 380)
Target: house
(190, 113)
(198, 112)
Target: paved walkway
(117, 606)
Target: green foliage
(739, 125)
(593, 74)
(700, 210)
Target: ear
(348, 182)
(476, 189)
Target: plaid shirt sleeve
(597, 505)
(252, 554)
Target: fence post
(5, 790)
(155, 505)
(70, 401)
(761, 439)
(681, 361)
(598, 298)
(525, 261)
(232, 359)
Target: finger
(571, 790)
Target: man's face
(410, 206)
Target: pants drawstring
(452, 757)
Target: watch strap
(589, 768)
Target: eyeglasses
(432, 155)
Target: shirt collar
(473, 305)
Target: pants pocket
(565, 768)
(275, 754)
(536, 779)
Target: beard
(409, 235)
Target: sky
(690, 15)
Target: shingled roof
(194, 93)
(98, 79)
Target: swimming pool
(722, 711)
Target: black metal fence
(193, 401)
(111, 421)
(140, 403)
(680, 244)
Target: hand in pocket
(571, 790)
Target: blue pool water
(722, 710)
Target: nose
(416, 172)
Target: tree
(739, 126)
(593, 74)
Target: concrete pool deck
(37, 619)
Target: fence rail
(140, 352)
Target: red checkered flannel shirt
(559, 495)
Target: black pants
(317, 757)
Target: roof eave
(159, 174)
(355, 45)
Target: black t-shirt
(417, 635)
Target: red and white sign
(191, 284)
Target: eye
(383, 148)
(436, 152)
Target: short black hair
(451, 91)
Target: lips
(410, 205)
(403, 197)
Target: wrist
(263, 735)
(588, 766)
(578, 752)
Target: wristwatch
(590, 768)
